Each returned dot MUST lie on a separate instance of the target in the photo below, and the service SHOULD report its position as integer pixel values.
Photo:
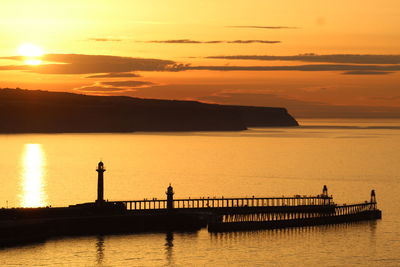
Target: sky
(317, 58)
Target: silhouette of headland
(35, 111)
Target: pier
(229, 214)
(19, 225)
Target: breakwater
(22, 225)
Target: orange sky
(317, 58)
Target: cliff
(33, 111)
(265, 116)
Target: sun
(30, 50)
(31, 53)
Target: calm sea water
(350, 157)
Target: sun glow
(31, 53)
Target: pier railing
(338, 211)
(354, 208)
(207, 203)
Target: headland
(34, 111)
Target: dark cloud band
(115, 65)
(334, 58)
(316, 67)
(87, 64)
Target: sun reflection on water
(33, 185)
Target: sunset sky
(317, 58)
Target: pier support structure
(170, 197)
(100, 182)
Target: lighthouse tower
(325, 191)
(100, 182)
(170, 197)
(325, 195)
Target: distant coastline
(35, 111)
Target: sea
(351, 157)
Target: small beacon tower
(170, 197)
(325, 191)
(373, 197)
(325, 195)
(100, 182)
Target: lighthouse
(325, 191)
(100, 182)
(170, 197)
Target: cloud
(183, 41)
(253, 41)
(334, 58)
(263, 27)
(114, 75)
(15, 67)
(358, 72)
(188, 41)
(114, 87)
(128, 83)
(104, 39)
(102, 89)
(314, 67)
(390, 98)
(88, 64)
(97, 64)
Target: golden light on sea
(31, 53)
(33, 184)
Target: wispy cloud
(188, 41)
(334, 58)
(104, 39)
(114, 86)
(128, 83)
(390, 98)
(101, 89)
(181, 41)
(252, 41)
(263, 27)
(357, 72)
(114, 75)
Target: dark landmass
(34, 111)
